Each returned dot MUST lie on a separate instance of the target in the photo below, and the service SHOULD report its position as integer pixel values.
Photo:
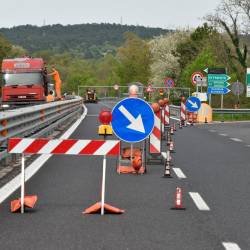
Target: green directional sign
(218, 78)
(218, 84)
(218, 81)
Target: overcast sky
(153, 13)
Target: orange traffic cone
(96, 209)
(174, 127)
(167, 172)
(180, 125)
(178, 200)
(168, 138)
(171, 147)
(29, 202)
(172, 130)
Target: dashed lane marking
(14, 184)
(223, 134)
(230, 246)
(199, 202)
(236, 139)
(212, 131)
(179, 173)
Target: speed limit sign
(196, 76)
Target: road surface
(213, 171)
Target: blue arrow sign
(132, 120)
(219, 91)
(193, 104)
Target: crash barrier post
(63, 147)
(183, 112)
(155, 141)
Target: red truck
(24, 80)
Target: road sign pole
(221, 106)
(210, 99)
(22, 183)
(131, 153)
(168, 93)
(103, 184)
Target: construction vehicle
(24, 81)
(90, 96)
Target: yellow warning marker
(105, 130)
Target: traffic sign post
(169, 83)
(217, 80)
(196, 78)
(237, 89)
(133, 120)
(193, 104)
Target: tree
(134, 60)
(165, 62)
(228, 17)
(5, 47)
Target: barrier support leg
(22, 183)
(103, 184)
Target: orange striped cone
(178, 200)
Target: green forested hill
(88, 40)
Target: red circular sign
(169, 83)
(195, 76)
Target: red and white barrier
(167, 115)
(66, 147)
(62, 147)
(162, 120)
(155, 137)
(183, 113)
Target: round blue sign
(132, 120)
(193, 104)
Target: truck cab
(24, 80)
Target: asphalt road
(216, 168)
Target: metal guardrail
(175, 110)
(36, 121)
(231, 111)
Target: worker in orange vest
(58, 82)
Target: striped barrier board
(167, 115)
(183, 111)
(63, 147)
(155, 137)
(60, 147)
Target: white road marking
(223, 134)
(236, 139)
(199, 202)
(177, 119)
(212, 130)
(179, 173)
(248, 146)
(15, 183)
(164, 155)
(230, 246)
